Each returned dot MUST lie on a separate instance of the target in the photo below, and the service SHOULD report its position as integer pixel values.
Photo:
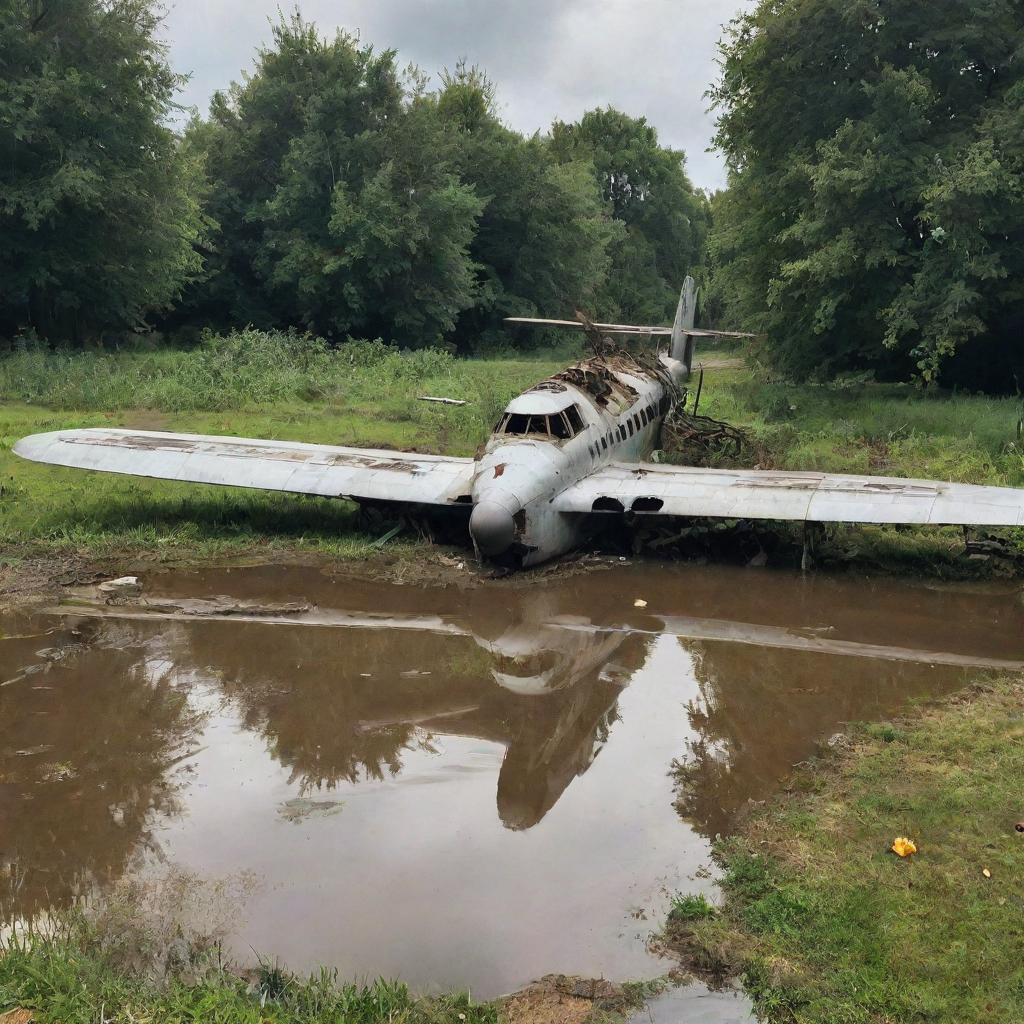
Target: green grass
(872, 428)
(365, 394)
(73, 978)
(689, 907)
(825, 924)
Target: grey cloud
(549, 59)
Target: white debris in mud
(121, 588)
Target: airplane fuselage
(597, 412)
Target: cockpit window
(521, 425)
(575, 419)
(561, 425)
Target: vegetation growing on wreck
(825, 923)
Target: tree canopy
(336, 204)
(665, 220)
(542, 241)
(100, 206)
(874, 211)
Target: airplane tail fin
(681, 348)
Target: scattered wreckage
(571, 449)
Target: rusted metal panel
(327, 470)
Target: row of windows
(647, 415)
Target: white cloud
(550, 60)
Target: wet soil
(461, 787)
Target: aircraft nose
(492, 528)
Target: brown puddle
(458, 788)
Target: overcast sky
(549, 58)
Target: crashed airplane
(567, 451)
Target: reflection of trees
(762, 710)
(343, 705)
(334, 705)
(88, 741)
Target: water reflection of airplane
(349, 712)
(340, 712)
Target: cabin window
(632, 429)
(643, 417)
(604, 444)
(575, 419)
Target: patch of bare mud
(17, 1016)
(31, 579)
(558, 999)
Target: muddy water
(458, 788)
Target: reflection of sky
(422, 870)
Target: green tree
(665, 219)
(99, 202)
(338, 207)
(542, 245)
(874, 214)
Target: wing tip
(31, 446)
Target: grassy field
(289, 387)
(828, 926)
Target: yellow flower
(904, 847)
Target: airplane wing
(803, 497)
(695, 332)
(334, 472)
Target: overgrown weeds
(234, 371)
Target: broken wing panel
(804, 497)
(334, 472)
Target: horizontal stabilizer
(802, 497)
(665, 332)
(325, 470)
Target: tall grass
(872, 428)
(234, 371)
